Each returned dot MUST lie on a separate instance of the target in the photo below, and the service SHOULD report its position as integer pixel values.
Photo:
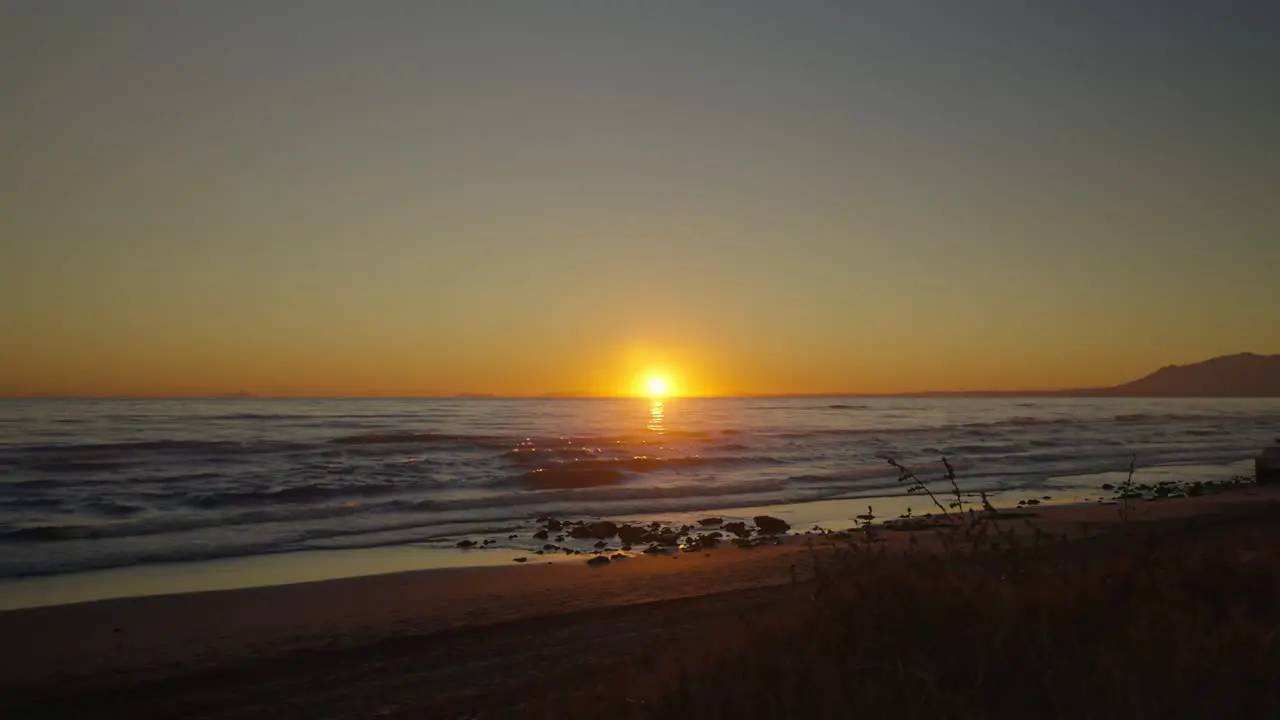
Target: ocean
(114, 483)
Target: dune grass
(1153, 620)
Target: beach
(409, 642)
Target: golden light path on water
(657, 416)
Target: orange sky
(435, 199)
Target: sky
(424, 198)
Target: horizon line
(553, 396)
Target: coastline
(127, 641)
(318, 565)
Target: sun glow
(656, 386)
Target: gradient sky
(330, 197)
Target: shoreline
(125, 641)
(322, 564)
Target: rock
(466, 544)
(710, 522)
(744, 543)
(548, 546)
(554, 525)
(487, 541)
(770, 525)
(619, 556)
(655, 550)
(559, 538)
(701, 542)
(1033, 501)
(540, 535)
(600, 530)
(631, 533)
(598, 560)
(626, 546)
(669, 539)
(540, 552)
(715, 535)
(512, 537)
(600, 545)
(1108, 486)
(519, 560)
(738, 528)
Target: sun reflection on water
(657, 416)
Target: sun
(656, 386)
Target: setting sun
(656, 386)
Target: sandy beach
(463, 631)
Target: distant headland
(1243, 375)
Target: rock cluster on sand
(770, 525)
(660, 538)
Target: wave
(530, 455)
(73, 465)
(174, 524)
(295, 494)
(259, 416)
(983, 450)
(592, 473)
(604, 494)
(420, 438)
(60, 452)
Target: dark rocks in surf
(701, 542)
(540, 535)
(554, 525)
(600, 545)
(631, 533)
(739, 529)
(466, 544)
(600, 530)
(519, 560)
(711, 522)
(770, 525)
(598, 561)
(667, 538)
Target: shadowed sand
(361, 630)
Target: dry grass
(1154, 620)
